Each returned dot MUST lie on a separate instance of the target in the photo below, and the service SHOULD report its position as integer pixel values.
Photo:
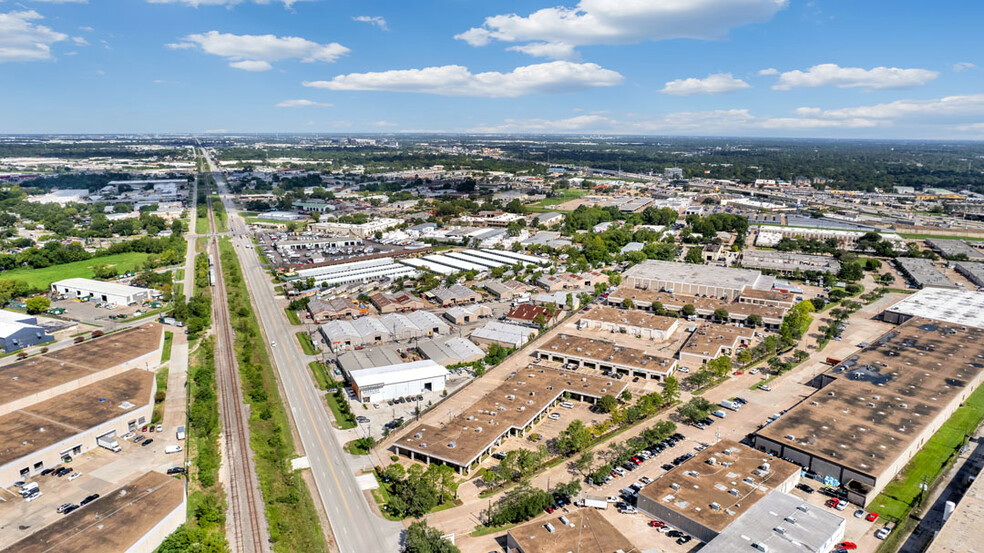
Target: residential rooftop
(883, 397)
(719, 484)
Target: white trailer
(596, 502)
(109, 442)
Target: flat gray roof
(962, 307)
(706, 275)
(955, 247)
(813, 528)
(924, 272)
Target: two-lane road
(356, 528)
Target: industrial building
(695, 280)
(923, 273)
(338, 308)
(134, 518)
(19, 331)
(704, 308)
(959, 307)
(711, 340)
(875, 410)
(511, 409)
(630, 321)
(363, 230)
(106, 292)
(387, 302)
(506, 290)
(577, 351)
(450, 351)
(789, 263)
(527, 313)
(341, 335)
(717, 487)
(465, 314)
(962, 531)
(54, 406)
(456, 294)
(954, 248)
(780, 523)
(503, 334)
(769, 236)
(318, 243)
(585, 531)
(371, 270)
(974, 272)
(571, 281)
(399, 380)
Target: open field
(42, 278)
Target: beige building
(629, 321)
(695, 280)
(577, 351)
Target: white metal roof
(395, 374)
(100, 287)
(962, 307)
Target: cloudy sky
(818, 68)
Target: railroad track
(245, 499)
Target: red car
(550, 510)
(831, 503)
(739, 373)
(847, 545)
(657, 523)
(637, 460)
(871, 517)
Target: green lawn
(42, 278)
(353, 448)
(917, 236)
(321, 375)
(566, 195)
(168, 340)
(292, 317)
(306, 344)
(900, 495)
(344, 422)
(158, 414)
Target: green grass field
(292, 316)
(306, 344)
(917, 236)
(168, 341)
(566, 195)
(42, 278)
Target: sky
(907, 69)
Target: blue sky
(820, 68)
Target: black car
(88, 499)
(46, 472)
(678, 436)
(62, 471)
(147, 442)
(805, 488)
(683, 539)
(69, 509)
(176, 470)
(675, 534)
(668, 466)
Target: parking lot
(100, 471)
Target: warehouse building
(609, 357)
(134, 518)
(387, 302)
(789, 263)
(515, 257)
(527, 313)
(341, 335)
(704, 308)
(363, 230)
(630, 321)
(960, 307)
(780, 523)
(450, 351)
(846, 239)
(107, 292)
(974, 272)
(695, 280)
(506, 290)
(584, 531)
(338, 308)
(875, 410)
(465, 314)
(456, 294)
(923, 273)
(399, 380)
(511, 409)
(711, 340)
(318, 243)
(504, 334)
(717, 487)
(19, 331)
(54, 406)
(371, 270)
(954, 248)
(962, 531)
(571, 281)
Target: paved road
(356, 528)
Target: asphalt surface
(356, 528)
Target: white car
(882, 533)
(73, 476)
(553, 416)
(613, 499)
(273, 343)
(39, 493)
(173, 449)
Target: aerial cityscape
(603, 276)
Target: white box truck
(596, 502)
(109, 442)
(728, 404)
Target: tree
(850, 272)
(395, 471)
(573, 439)
(695, 256)
(37, 304)
(671, 389)
(625, 396)
(695, 410)
(689, 310)
(699, 379)
(608, 403)
(584, 462)
(721, 314)
(627, 303)
(540, 320)
(754, 320)
(421, 538)
(614, 279)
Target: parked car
(69, 509)
(871, 517)
(147, 442)
(830, 503)
(841, 505)
(176, 470)
(46, 472)
(805, 488)
(882, 533)
(88, 499)
(139, 439)
(764, 388)
(160, 428)
(553, 416)
(656, 523)
(61, 508)
(172, 449)
(74, 475)
(847, 545)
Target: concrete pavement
(356, 527)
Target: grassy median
(290, 511)
(168, 342)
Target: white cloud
(570, 124)
(551, 50)
(255, 52)
(215, 131)
(769, 71)
(456, 80)
(229, 3)
(383, 123)
(718, 83)
(301, 104)
(251, 65)
(86, 28)
(791, 123)
(23, 40)
(877, 78)
(972, 127)
(62, 1)
(376, 20)
(624, 21)
(963, 66)
(81, 41)
(952, 107)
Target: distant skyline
(756, 68)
